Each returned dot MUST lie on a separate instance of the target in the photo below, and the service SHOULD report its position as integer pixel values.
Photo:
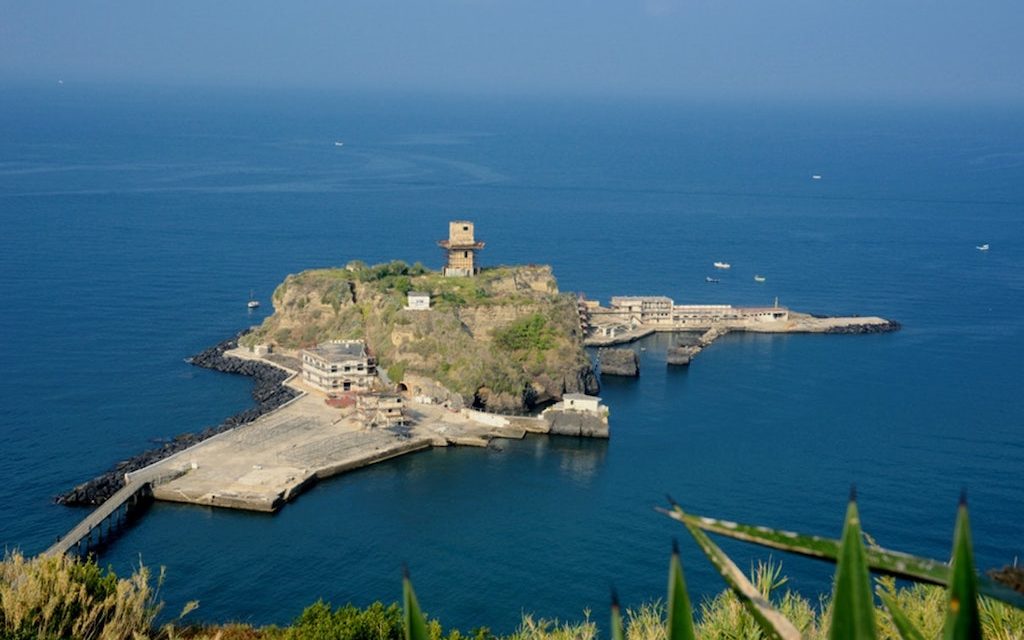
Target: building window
(465, 254)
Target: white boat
(711, 280)
(759, 278)
(982, 247)
(339, 143)
(723, 265)
(816, 177)
(253, 302)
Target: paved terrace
(262, 465)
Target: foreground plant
(61, 597)
(852, 608)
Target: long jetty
(115, 512)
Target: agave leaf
(903, 624)
(415, 624)
(617, 632)
(883, 561)
(853, 606)
(773, 623)
(963, 621)
(680, 611)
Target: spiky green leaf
(963, 621)
(772, 623)
(853, 607)
(680, 611)
(415, 624)
(617, 630)
(883, 561)
(904, 626)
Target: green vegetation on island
(505, 340)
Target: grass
(63, 597)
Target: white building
(644, 309)
(418, 301)
(581, 402)
(338, 366)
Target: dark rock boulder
(885, 327)
(619, 362)
(681, 355)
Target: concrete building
(339, 366)
(647, 310)
(417, 301)
(581, 402)
(381, 410)
(461, 247)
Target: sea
(136, 220)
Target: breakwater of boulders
(268, 391)
(882, 327)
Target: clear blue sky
(795, 49)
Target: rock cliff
(504, 341)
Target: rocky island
(359, 364)
(505, 341)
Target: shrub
(526, 334)
(62, 597)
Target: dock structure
(114, 513)
(630, 318)
(262, 465)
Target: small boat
(816, 177)
(339, 143)
(253, 302)
(759, 278)
(711, 280)
(723, 265)
(982, 247)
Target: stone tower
(461, 248)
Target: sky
(931, 50)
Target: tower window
(465, 254)
(465, 228)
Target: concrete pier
(608, 330)
(262, 465)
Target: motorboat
(723, 265)
(253, 302)
(711, 280)
(759, 278)
(982, 247)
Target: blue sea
(135, 221)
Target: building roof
(762, 309)
(617, 299)
(341, 350)
(418, 294)
(579, 396)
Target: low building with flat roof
(339, 366)
(417, 301)
(581, 402)
(647, 310)
(381, 410)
